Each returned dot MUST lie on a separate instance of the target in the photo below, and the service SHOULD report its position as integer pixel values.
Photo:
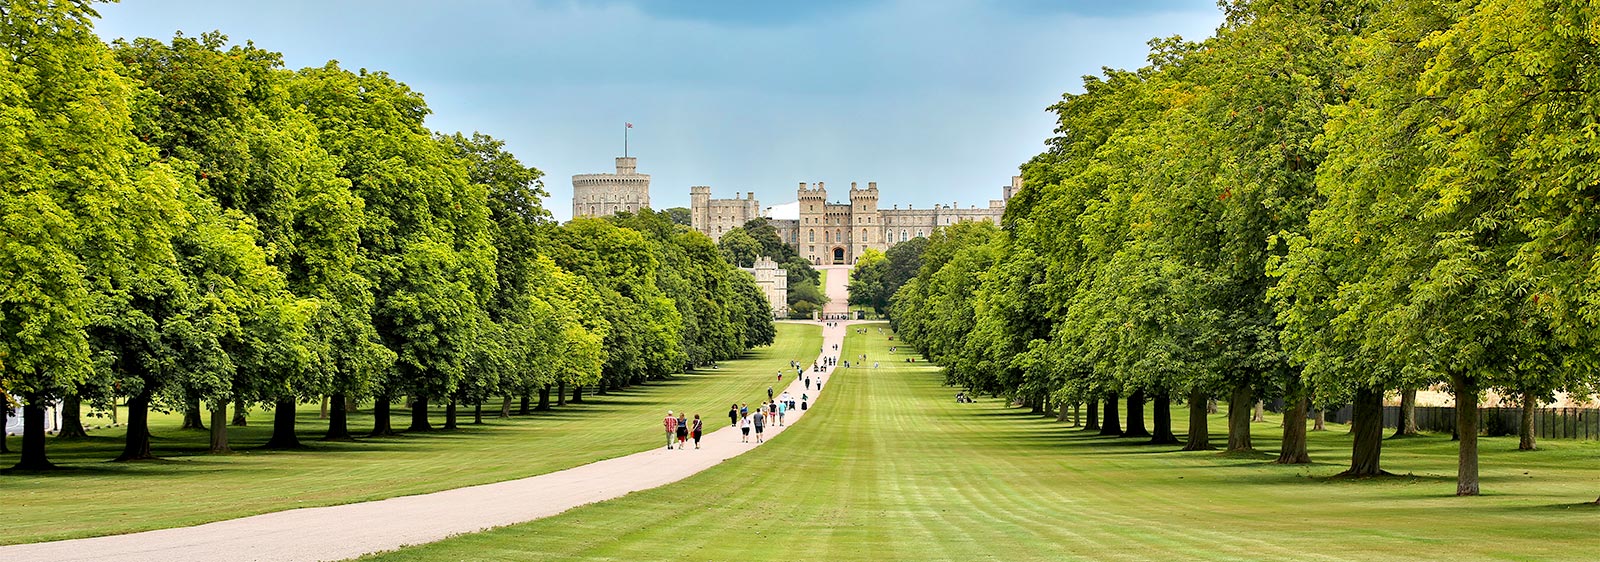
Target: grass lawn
(187, 487)
(891, 468)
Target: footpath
(346, 531)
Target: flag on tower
(630, 125)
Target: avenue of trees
(1325, 202)
(188, 225)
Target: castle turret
(598, 195)
(700, 207)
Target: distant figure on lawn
(671, 423)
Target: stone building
(774, 283)
(599, 195)
(828, 233)
(716, 216)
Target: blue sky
(938, 101)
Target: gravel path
(346, 531)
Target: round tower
(599, 195)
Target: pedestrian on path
(769, 393)
(744, 411)
(683, 431)
(783, 406)
(803, 399)
(733, 415)
(671, 423)
(695, 431)
(808, 383)
(744, 429)
(772, 411)
(758, 424)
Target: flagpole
(624, 141)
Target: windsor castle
(827, 233)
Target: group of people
(770, 413)
(680, 429)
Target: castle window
(863, 235)
(903, 235)
(812, 234)
(919, 233)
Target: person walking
(671, 423)
(744, 429)
(758, 423)
(808, 383)
(803, 399)
(744, 411)
(769, 393)
(772, 412)
(783, 406)
(695, 431)
(683, 431)
(733, 415)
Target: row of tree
(1323, 202)
(187, 223)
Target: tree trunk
(1466, 388)
(1529, 404)
(1239, 404)
(1094, 415)
(577, 394)
(219, 428)
(419, 414)
(544, 399)
(1260, 412)
(505, 407)
(1136, 416)
(71, 419)
(477, 413)
(450, 414)
(381, 425)
(561, 393)
(1211, 406)
(1407, 425)
(1163, 415)
(338, 420)
(283, 436)
(1293, 450)
(524, 409)
(33, 457)
(137, 443)
(1199, 426)
(1366, 424)
(239, 410)
(1320, 422)
(1109, 424)
(191, 412)
(324, 414)
(1034, 406)
(1061, 413)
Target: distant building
(774, 283)
(599, 195)
(839, 233)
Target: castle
(826, 233)
(838, 233)
(599, 195)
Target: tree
(739, 248)
(679, 216)
(866, 281)
(426, 249)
